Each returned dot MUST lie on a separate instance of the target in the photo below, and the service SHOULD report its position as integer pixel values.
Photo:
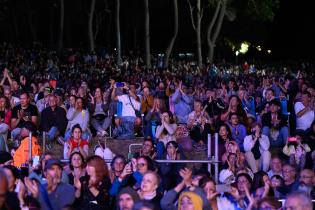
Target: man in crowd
(126, 198)
(298, 201)
(22, 113)
(275, 125)
(55, 194)
(183, 103)
(290, 183)
(304, 112)
(275, 167)
(306, 182)
(130, 119)
(53, 119)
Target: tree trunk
(218, 21)
(172, 41)
(147, 34)
(198, 33)
(118, 32)
(108, 24)
(90, 26)
(61, 25)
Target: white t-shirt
(305, 121)
(127, 110)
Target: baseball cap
(51, 162)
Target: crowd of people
(264, 119)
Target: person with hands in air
(52, 194)
(165, 132)
(170, 171)
(238, 193)
(297, 149)
(183, 103)
(186, 185)
(132, 174)
(256, 148)
(130, 121)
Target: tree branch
(192, 15)
(214, 18)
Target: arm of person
(84, 150)
(188, 99)
(300, 109)
(248, 143)
(148, 116)
(175, 96)
(159, 131)
(34, 119)
(14, 122)
(286, 150)
(168, 200)
(71, 113)
(264, 142)
(86, 118)
(115, 187)
(171, 128)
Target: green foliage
(262, 10)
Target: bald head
(299, 201)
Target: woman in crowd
(170, 171)
(256, 148)
(98, 108)
(92, 190)
(77, 167)
(190, 201)
(297, 149)
(76, 143)
(132, 174)
(117, 166)
(148, 189)
(78, 115)
(235, 106)
(165, 132)
(5, 121)
(153, 117)
(225, 138)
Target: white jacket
(249, 143)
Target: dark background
(290, 35)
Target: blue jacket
(183, 106)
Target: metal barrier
(30, 148)
(210, 160)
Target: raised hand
(211, 194)
(91, 98)
(234, 192)
(186, 174)
(31, 186)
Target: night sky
(290, 35)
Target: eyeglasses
(306, 177)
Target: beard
(305, 188)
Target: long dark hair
(82, 158)
(172, 121)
